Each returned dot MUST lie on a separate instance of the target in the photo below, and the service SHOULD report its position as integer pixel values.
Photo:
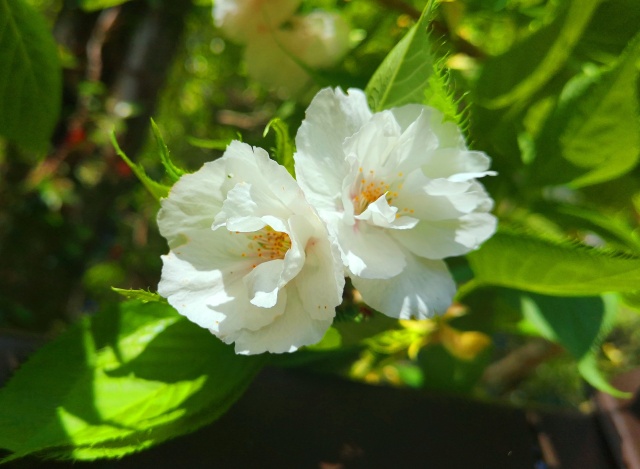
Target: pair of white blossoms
(259, 259)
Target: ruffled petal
(417, 141)
(288, 332)
(422, 290)
(379, 213)
(263, 283)
(457, 164)
(317, 40)
(372, 145)
(271, 187)
(273, 67)
(446, 238)
(369, 252)
(202, 279)
(242, 20)
(321, 280)
(320, 162)
(193, 203)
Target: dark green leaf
(444, 372)
(126, 379)
(612, 27)
(525, 68)
(30, 76)
(579, 325)
(530, 263)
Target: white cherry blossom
(318, 40)
(398, 191)
(249, 258)
(242, 20)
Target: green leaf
(156, 189)
(209, 144)
(579, 325)
(172, 170)
(534, 264)
(409, 74)
(615, 228)
(445, 373)
(525, 68)
(126, 379)
(91, 5)
(614, 24)
(285, 146)
(141, 295)
(30, 76)
(595, 128)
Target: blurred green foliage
(548, 88)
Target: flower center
(266, 245)
(368, 189)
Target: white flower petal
(398, 191)
(458, 164)
(317, 40)
(417, 142)
(407, 115)
(321, 280)
(242, 224)
(379, 213)
(241, 314)
(263, 283)
(238, 276)
(447, 133)
(242, 20)
(320, 161)
(202, 279)
(238, 203)
(369, 252)
(423, 289)
(288, 332)
(192, 204)
(440, 199)
(273, 189)
(446, 238)
(373, 143)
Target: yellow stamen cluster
(266, 245)
(368, 190)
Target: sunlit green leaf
(596, 127)
(408, 73)
(613, 227)
(141, 295)
(156, 189)
(579, 324)
(529, 263)
(531, 63)
(172, 170)
(331, 340)
(285, 146)
(30, 76)
(91, 5)
(126, 379)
